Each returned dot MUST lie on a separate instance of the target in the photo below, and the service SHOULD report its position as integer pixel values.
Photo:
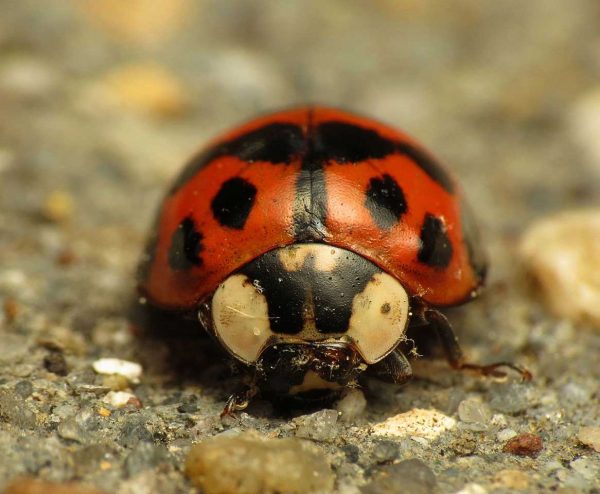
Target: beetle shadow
(175, 350)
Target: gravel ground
(102, 101)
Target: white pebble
(561, 252)
(118, 399)
(590, 436)
(109, 366)
(418, 422)
(472, 488)
(505, 434)
(474, 411)
(352, 405)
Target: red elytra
(313, 174)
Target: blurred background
(101, 102)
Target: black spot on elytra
(436, 248)
(186, 246)
(347, 143)
(277, 143)
(233, 203)
(385, 201)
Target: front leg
(454, 355)
(239, 400)
(395, 368)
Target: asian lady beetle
(307, 241)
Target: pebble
(28, 77)
(525, 444)
(352, 405)
(510, 398)
(144, 456)
(505, 434)
(24, 389)
(58, 206)
(472, 488)
(586, 467)
(416, 423)
(465, 444)
(249, 464)
(134, 431)
(590, 436)
(132, 371)
(148, 22)
(27, 485)
(585, 126)
(561, 253)
(13, 411)
(413, 475)
(318, 426)
(385, 451)
(148, 89)
(474, 412)
(55, 362)
(119, 399)
(511, 479)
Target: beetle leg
(239, 400)
(394, 368)
(454, 353)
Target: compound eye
(379, 317)
(241, 318)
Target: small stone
(472, 488)
(148, 89)
(116, 382)
(385, 451)
(587, 468)
(55, 362)
(72, 430)
(35, 486)
(24, 389)
(119, 399)
(352, 405)
(58, 207)
(465, 444)
(413, 475)
(511, 479)
(11, 309)
(104, 412)
(574, 394)
(510, 398)
(561, 253)
(352, 452)
(318, 426)
(248, 464)
(12, 410)
(475, 413)
(590, 436)
(418, 422)
(130, 370)
(144, 456)
(146, 22)
(135, 431)
(525, 444)
(187, 408)
(505, 434)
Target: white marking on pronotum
(241, 318)
(379, 317)
(249, 315)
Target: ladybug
(306, 242)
